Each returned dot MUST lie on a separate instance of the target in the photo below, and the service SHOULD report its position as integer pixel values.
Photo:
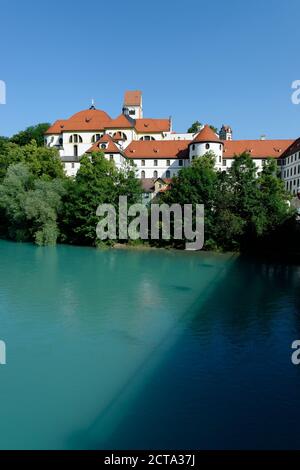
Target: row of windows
(292, 185)
(292, 158)
(207, 146)
(155, 174)
(291, 171)
(155, 162)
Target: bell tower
(133, 104)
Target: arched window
(207, 146)
(168, 163)
(143, 162)
(119, 136)
(147, 137)
(168, 174)
(75, 139)
(155, 174)
(142, 174)
(96, 137)
(75, 150)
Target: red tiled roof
(57, 127)
(256, 148)
(157, 149)
(121, 122)
(106, 139)
(152, 125)
(133, 98)
(207, 135)
(87, 120)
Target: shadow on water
(126, 396)
(227, 361)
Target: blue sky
(220, 62)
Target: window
(220, 147)
(75, 138)
(168, 163)
(207, 146)
(60, 141)
(75, 150)
(224, 162)
(220, 159)
(295, 170)
(73, 165)
(168, 174)
(155, 162)
(292, 158)
(180, 162)
(96, 137)
(147, 137)
(132, 112)
(143, 162)
(111, 157)
(193, 147)
(155, 174)
(119, 135)
(298, 169)
(103, 146)
(142, 174)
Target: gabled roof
(157, 149)
(256, 148)
(133, 98)
(106, 139)
(152, 125)
(86, 120)
(207, 135)
(121, 122)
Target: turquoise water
(127, 349)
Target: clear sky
(220, 61)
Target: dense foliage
(241, 208)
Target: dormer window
(103, 146)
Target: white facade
(81, 134)
(290, 168)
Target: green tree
(41, 161)
(97, 182)
(29, 206)
(195, 127)
(31, 133)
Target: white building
(156, 150)
(290, 167)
